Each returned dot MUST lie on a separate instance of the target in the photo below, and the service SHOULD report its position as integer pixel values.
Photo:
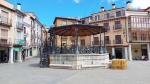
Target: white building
(36, 29)
(18, 34)
(27, 36)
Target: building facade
(20, 33)
(127, 33)
(36, 29)
(6, 31)
(19, 40)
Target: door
(118, 52)
(30, 51)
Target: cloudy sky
(47, 10)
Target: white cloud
(77, 1)
(140, 3)
(109, 1)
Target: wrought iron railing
(5, 20)
(19, 25)
(117, 26)
(71, 50)
(107, 41)
(107, 27)
(97, 42)
(5, 41)
(118, 41)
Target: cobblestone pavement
(28, 72)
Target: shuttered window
(4, 14)
(18, 35)
(4, 33)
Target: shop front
(4, 54)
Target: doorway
(118, 52)
(3, 56)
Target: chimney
(18, 6)
(102, 9)
(128, 4)
(113, 6)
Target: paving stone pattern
(28, 72)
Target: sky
(47, 10)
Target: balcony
(5, 21)
(96, 43)
(107, 42)
(117, 27)
(5, 42)
(19, 25)
(120, 41)
(107, 27)
(26, 34)
(19, 42)
(139, 39)
(26, 46)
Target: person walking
(23, 56)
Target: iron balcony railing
(117, 26)
(96, 42)
(120, 41)
(5, 21)
(19, 42)
(107, 27)
(20, 25)
(107, 41)
(140, 39)
(5, 41)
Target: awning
(16, 49)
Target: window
(83, 21)
(118, 13)
(117, 25)
(18, 34)
(95, 18)
(24, 30)
(134, 35)
(4, 33)
(98, 17)
(107, 40)
(64, 43)
(106, 26)
(108, 15)
(72, 43)
(64, 23)
(4, 14)
(105, 16)
(96, 41)
(82, 42)
(118, 39)
(19, 19)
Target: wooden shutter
(4, 14)
(4, 33)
